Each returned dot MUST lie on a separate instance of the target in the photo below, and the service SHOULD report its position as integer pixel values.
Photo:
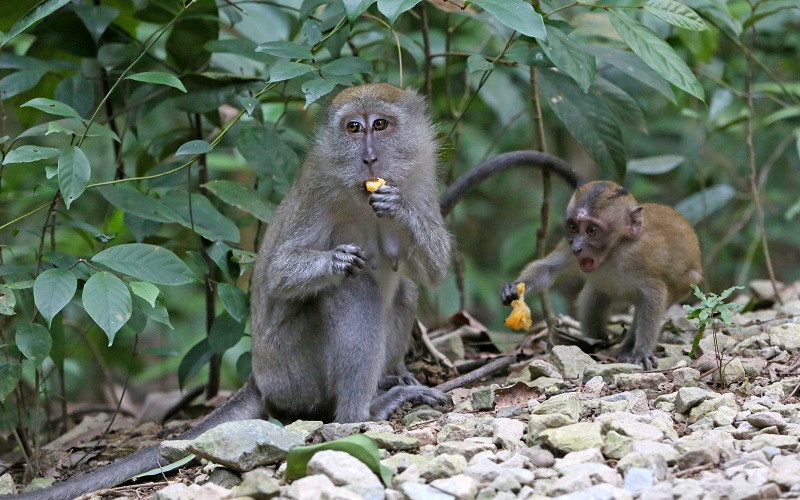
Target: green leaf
(347, 66)
(624, 107)
(148, 291)
(73, 173)
(10, 375)
(108, 302)
(355, 8)
(158, 77)
(191, 364)
(477, 62)
(27, 154)
(234, 300)
(655, 165)
(138, 204)
(570, 57)
(633, 66)
(34, 342)
(268, 155)
(242, 197)
(656, 53)
(289, 50)
(157, 312)
(96, 18)
(517, 15)
(7, 301)
(147, 263)
(53, 107)
(95, 233)
(42, 10)
(393, 8)
(52, 290)
(197, 213)
(357, 445)
(286, 70)
(700, 205)
(20, 81)
(315, 88)
(589, 120)
(250, 104)
(676, 14)
(196, 147)
(225, 333)
(244, 365)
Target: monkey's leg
(593, 312)
(641, 341)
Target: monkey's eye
(572, 227)
(353, 127)
(591, 230)
(380, 124)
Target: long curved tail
(244, 405)
(501, 163)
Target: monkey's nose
(369, 159)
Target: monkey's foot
(388, 402)
(389, 381)
(509, 293)
(648, 361)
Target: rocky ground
(561, 425)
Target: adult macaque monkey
(644, 254)
(334, 290)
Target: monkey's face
(588, 237)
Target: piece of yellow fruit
(374, 184)
(520, 317)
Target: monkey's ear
(635, 221)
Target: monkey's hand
(386, 201)
(347, 260)
(509, 293)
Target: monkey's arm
(649, 312)
(294, 272)
(540, 274)
(501, 163)
(429, 248)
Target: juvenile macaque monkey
(644, 254)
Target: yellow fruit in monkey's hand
(374, 184)
(520, 317)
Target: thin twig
(473, 376)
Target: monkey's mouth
(587, 264)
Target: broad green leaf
(138, 204)
(393, 8)
(357, 445)
(7, 301)
(718, 14)
(624, 107)
(268, 155)
(145, 262)
(347, 66)
(36, 14)
(191, 364)
(589, 120)
(242, 197)
(516, 14)
(53, 107)
(89, 229)
(656, 53)
(157, 312)
(289, 50)
(34, 342)
(145, 290)
(633, 66)
(250, 104)
(20, 81)
(158, 77)
(676, 14)
(315, 88)
(700, 205)
(77, 128)
(52, 290)
(570, 57)
(655, 165)
(73, 173)
(286, 70)
(355, 8)
(108, 301)
(27, 154)
(96, 18)
(197, 213)
(225, 333)
(196, 147)
(477, 62)
(234, 300)
(10, 375)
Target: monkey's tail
(244, 405)
(501, 163)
